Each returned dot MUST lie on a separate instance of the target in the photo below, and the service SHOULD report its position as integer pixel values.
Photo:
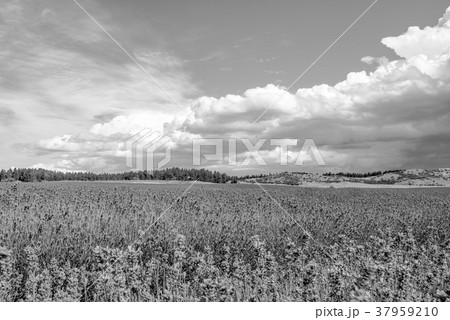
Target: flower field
(76, 241)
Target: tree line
(361, 175)
(37, 175)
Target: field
(137, 242)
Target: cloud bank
(396, 116)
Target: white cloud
(59, 72)
(132, 123)
(430, 41)
(396, 115)
(382, 61)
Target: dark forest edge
(180, 174)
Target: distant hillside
(409, 177)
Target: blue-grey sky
(379, 98)
(230, 46)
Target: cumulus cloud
(388, 109)
(430, 41)
(370, 120)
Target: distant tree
(30, 175)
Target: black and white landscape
(225, 150)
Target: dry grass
(70, 241)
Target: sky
(70, 97)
